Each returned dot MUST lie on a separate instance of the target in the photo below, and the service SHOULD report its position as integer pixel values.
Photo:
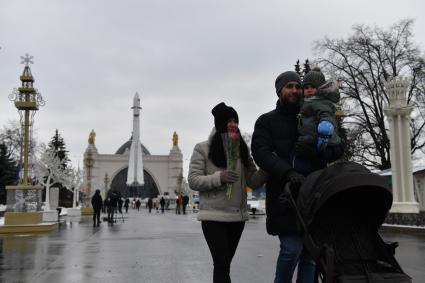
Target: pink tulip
(234, 135)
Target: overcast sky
(182, 57)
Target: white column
(392, 120)
(398, 113)
(400, 157)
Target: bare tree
(247, 137)
(74, 180)
(49, 169)
(364, 62)
(11, 136)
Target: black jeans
(222, 239)
(96, 216)
(111, 211)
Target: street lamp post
(106, 182)
(86, 209)
(24, 199)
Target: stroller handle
(287, 190)
(308, 241)
(287, 187)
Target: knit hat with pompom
(314, 78)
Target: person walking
(110, 209)
(150, 204)
(167, 202)
(97, 203)
(178, 204)
(138, 203)
(162, 203)
(156, 204)
(126, 204)
(105, 205)
(275, 150)
(185, 201)
(120, 204)
(221, 180)
(112, 206)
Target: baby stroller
(339, 211)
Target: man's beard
(287, 101)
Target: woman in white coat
(220, 169)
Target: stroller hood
(345, 186)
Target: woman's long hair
(218, 156)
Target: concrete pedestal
(406, 219)
(25, 222)
(23, 211)
(19, 218)
(74, 212)
(50, 216)
(405, 207)
(87, 211)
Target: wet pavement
(154, 248)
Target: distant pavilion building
(163, 174)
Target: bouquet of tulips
(231, 141)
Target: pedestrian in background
(120, 203)
(150, 204)
(185, 201)
(126, 204)
(97, 203)
(156, 204)
(112, 206)
(105, 205)
(162, 203)
(110, 210)
(138, 203)
(178, 204)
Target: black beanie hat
(285, 78)
(315, 78)
(222, 113)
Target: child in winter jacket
(316, 124)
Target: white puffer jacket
(204, 177)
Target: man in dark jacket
(275, 150)
(120, 203)
(97, 203)
(112, 206)
(162, 203)
(150, 204)
(185, 201)
(126, 204)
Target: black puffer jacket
(273, 149)
(96, 201)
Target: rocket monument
(135, 164)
